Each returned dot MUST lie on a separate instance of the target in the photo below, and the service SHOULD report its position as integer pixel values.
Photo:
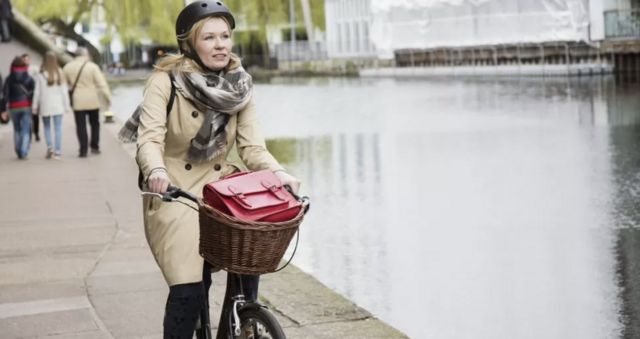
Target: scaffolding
(403, 24)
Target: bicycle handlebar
(174, 193)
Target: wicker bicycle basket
(244, 247)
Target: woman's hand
(158, 181)
(289, 180)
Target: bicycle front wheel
(259, 323)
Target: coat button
(194, 114)
(217, 167)
(187, 167)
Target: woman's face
(213, 44)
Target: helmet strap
(193, 55)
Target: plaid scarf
(219, 96)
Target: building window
(365, 36)
(347, 36)
(339, 37)
(356, 37)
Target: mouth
(219, 56)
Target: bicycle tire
(259, 323)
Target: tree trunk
(308, 23)
(39, 41)
(265, 52)
(67, 31)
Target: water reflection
(490, 202)
(343, 174)
(624, 105)
(503, 208)
(626, 156)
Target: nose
(218, 43)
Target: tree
(132, 20)
(258, 15)
(61, 15)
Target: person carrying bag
(214, 109)
(89, 86)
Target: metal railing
(622, 23)
(300, 51)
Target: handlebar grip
(304, 199)
(174, 192)
(171, 193)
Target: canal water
(504, 208)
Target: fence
(300, 51)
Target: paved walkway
(74, 262)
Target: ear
(186, 47)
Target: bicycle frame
(234, 300)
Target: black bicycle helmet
(198, 10)
(195, 12)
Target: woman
(17, 91)
(188, 147)
(50, 101)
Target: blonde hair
(186, 40)
(51, 66)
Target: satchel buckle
(240, 197)
(273, 188)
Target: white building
(348, 24)
(358, 28)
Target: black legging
(35, 126)
(185, 302)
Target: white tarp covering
(398, 24)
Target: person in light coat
(51, 101)
(86, 99)
(188, 147)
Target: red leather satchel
(252, 196)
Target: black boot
(182, 311)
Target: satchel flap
(246, 183)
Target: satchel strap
(75, 83)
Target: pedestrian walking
(51, 101)
(4, 115)
(184, 137)
(6, 19)
(35, 118)
(17, 93)
(87, 86)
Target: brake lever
(290, 190)
(171, 194)
(303, 199)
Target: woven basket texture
(244, 247)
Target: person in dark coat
(35, 121)
(4, 115)
(6, 17)
(17, 92)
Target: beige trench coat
(172, 229)
(92, 86)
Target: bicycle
(243, 319)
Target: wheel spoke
(260, 324)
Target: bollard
(108, 117)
